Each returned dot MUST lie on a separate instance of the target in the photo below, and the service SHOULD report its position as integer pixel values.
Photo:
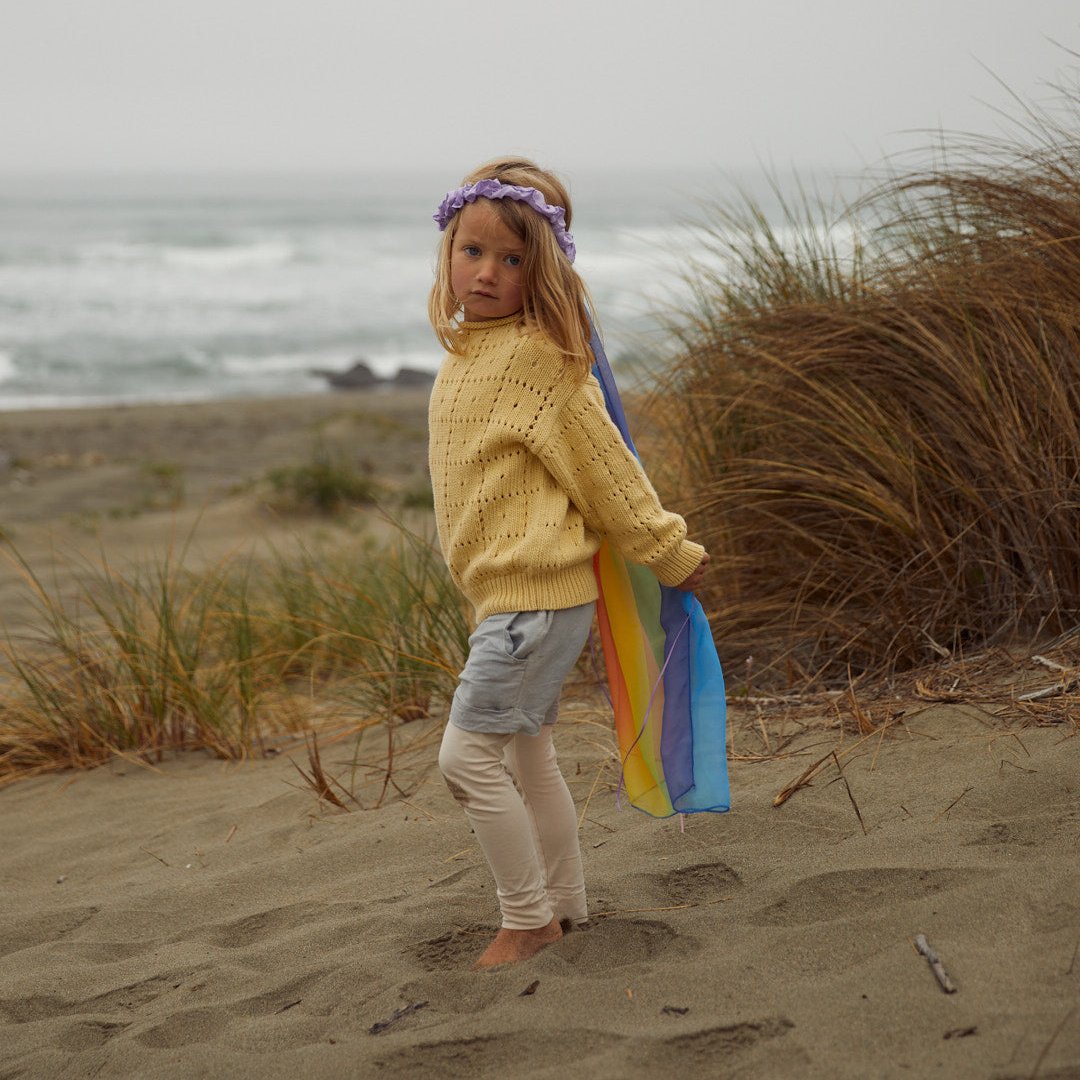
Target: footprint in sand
(608, 943)
(184, 1028)
(716, 1044)
(488, 1055)
(447, 993)
(262, 925)
(123, 999)
(286, 996)
(135, 995)
(699, 883)
(89, 1035)
(615, 942)
(846, 894)
(458, 949)
(1014, 835)
(43, 928)
(1028, 831)
(104, 952)
(1049, 916)
(26, 1010)
(265, 927)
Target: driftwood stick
(1049, 691)
(405, 1010)
(1046, 662)
(923, 947)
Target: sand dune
(206, 919)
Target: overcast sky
(195, 85)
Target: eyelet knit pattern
(529, 472)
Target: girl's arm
(584, 451)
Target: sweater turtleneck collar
(491, 324)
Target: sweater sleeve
(585, 453)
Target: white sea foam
(233, 257)
(222, 257)
(285, 363)
(7, 366)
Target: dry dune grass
(879, 423)
(230, 658)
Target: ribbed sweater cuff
(676, 566)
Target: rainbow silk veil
(666, 685)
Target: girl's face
(486, 260)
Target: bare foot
(513, 946)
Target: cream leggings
(519, 806)
(499, 762)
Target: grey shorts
(517, 664)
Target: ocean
(132, 289)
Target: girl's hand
(695, 580)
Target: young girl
(528, 473)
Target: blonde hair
(555, 299)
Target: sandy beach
(134, 482)
(198, 918)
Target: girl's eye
(513, 260)
(471, 250)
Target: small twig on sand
(1006, 761)
(395, 1016)
(320, 782)
(600, 823)
(1046, 1049)
(923, 947)
(426, 813)
(588, 798)
(802, 780)
(951, 805)
(925, 692)
(862, 717)
(147, 851)
(389, 762)
(811, 771)
(783, 699)
(1072, 962)
(764, 733)
(847, 786)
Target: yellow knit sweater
(529, 472)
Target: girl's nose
(488, 270)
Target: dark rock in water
(407, 377)
(358, 377)
(361, 377)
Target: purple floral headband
(495, 189)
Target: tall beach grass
(144, 660)
(878, 415)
